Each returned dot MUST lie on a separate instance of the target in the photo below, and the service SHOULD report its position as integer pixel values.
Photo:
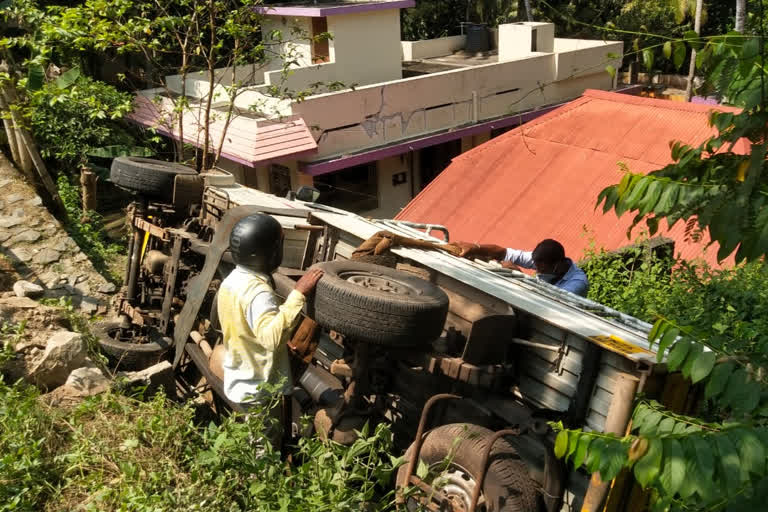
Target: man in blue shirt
(548, 259)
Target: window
(320, 48)
(435, 159)
(279, 180)
(354, 189)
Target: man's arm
(521, 258)
(485, 252)
(269, 322)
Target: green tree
(716, 460)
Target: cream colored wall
(366, 46)
(414, 50)
(392, 198)
(586, 57)
(295, 34)
(515, 39)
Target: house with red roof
(541, 180)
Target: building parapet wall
(427, 49)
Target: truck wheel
(453, 454)
(153, 178)
(122, 347)
(379, 305)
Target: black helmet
(256, 242)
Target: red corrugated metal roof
(541, 180)
(247, 141)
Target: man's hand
(468, 250)
(306, 285)
(480, 252)
(509, 265)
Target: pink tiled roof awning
(247, 140)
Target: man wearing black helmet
(548, 258)
(254, 325)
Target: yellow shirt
(255, 331)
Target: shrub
(69, 121)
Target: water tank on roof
(477, 38)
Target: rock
(61, 246)
(107, 288)
(2, 205)
(35, 201)
(64, 352)
(4, 183)
(18, 302)
(19, 212)
(80, 257)
(9, 222)
(6, 295)
(154, 377)
(88, 380)
(89, 305)
(26, 289)
(81, 278)
(13, 198)
(46, 256)
(22, 254)
(5, 235)
(29, 236)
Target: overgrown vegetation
(86, 229)
(114, 452)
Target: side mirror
(307, 194)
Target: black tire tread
(376, 317)
(128, 356)
(507, 487)
(150, 177)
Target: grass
(119, 453)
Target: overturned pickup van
(461, 359)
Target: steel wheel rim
(379, 282)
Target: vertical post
(88, 188)
(619, 415)
(133, 274)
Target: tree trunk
(528, 10)
(10, 132)
(741, 15)
(211, 62)
(88, 188)
(692, 67)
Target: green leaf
(666, 426)
(595, 453)
(678, 54)
(705, 456)
(729, 468)
(667, 49)
(734, 388)
(651, 197)
(693, 354)
(648, 59)
(581, 451)
(718, 379)
(573, 442)
(68, 78)
(657, 330)
(702, 367)
(668, 199)
(678, 353)
(669, 337)
(120, 150)
(610, 70)
(651, 424)
(613, 460)
(751, 452)
(692, 38)
(561, 444)
(648, 467)
(636, 192)
(673, 472)
(35, 77)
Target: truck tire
(127, 355)
(153, 178)
(378, 305)
(454, 452)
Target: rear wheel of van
(131, 348)
(378, 305)
(453, 455)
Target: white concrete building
(405, 109)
